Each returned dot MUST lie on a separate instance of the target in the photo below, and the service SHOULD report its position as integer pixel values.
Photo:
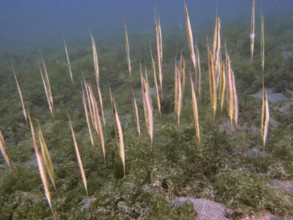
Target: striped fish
(119, 133)
(190, 38)
(3, 150)
(148, 111)
(195, 111)
(159, 48)
(47, 85)
(178, 94)
(78, 158)
(222, 86)
(213, 88)
(127, 49)
(87, 117)
(136, 115)
(46, 158)
(68, 61)
(156, 83)
(41, 167)
(265, 117)
(20, 96)
(95, 58)
(252, 27)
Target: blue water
(33, 22)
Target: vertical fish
(95, 58)
(148, 111)
(212, 82)
(235, 101)
(216, 49)
(97, 121)
(222, 86)
(198, 73)
(47, 91)
(265, 113)
(3, 150)
(91, 111)
(229, 91)
(47, 81)
(156, 83)
(47, 85)
(178, 94)
(232, 99)
(190, 38)
(68, 61)
(265, 117)
(46, 158)
(252, 26)
(182, 72)
(262, 45)
(136, 116)
(78, 158)
(41, 167)
(159, 48)
(119, 133)
(20, 96)
(127, 49)
(101, 104)
(87, 118)
(195, 111)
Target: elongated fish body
(190, 39)
(68, 61)
(182, 72)
(252, 27)
(47, 92)
(156, 83)
(159, 49)
(97, 121)
(216, 49)
(222, 86)
(47, 85)
(47, 158)
(195, 111)
(213, 88)
(265, 117)
(136, 115)
(198, 73)
(41, 166)
(78, 157)
(101, 104)
(178, 94)
(148, 111)
(232, 98)
(20, 96)
(235, 101)
(3, 150)
(230, 105)
(127, 50)
(119, 133)
(90, 107)
(87, 118)
(262, 45)
(95, 59)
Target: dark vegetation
(232, 168)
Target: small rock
(86, 202)
(287, 55)
(262, 216)
(205, 209)
(285, 185)
(273, 96)
(122, 207)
